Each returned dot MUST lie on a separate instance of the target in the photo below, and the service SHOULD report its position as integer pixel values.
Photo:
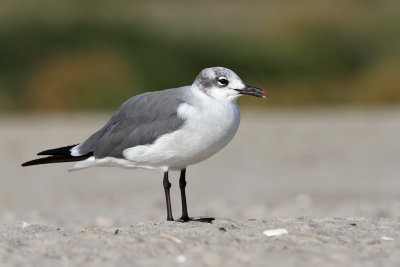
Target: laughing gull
(165, 130)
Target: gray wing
(139, 121)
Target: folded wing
(140, 121)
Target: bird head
(223, 84)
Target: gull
(165, 130)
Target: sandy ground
(330, 177)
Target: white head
(223, 84)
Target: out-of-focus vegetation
(72, 54)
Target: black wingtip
(65, 150)
(45, 160)
(56, 159)
(25, 164)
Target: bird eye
(223, 81)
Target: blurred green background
(85, 55)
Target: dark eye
(223, 81)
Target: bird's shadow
(197, 219)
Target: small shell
(171, 238)
(276, 232)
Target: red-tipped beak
(265, 95)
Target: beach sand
(331, 178)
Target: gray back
(139, 121)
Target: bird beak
(251, 90)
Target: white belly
(206, 131)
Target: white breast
(209, 126)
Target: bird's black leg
(167, 186)
(185, 217)
(182, 185)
